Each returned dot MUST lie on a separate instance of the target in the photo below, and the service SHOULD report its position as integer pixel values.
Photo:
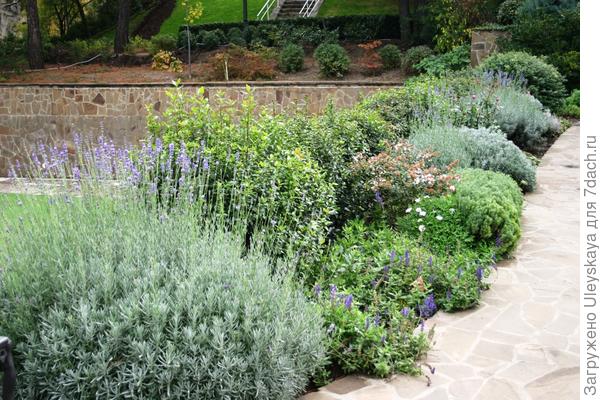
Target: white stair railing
(267, 9)
(308, 8)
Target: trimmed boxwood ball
(291, 58)
(391, 56)
(413, 56)
(542, 79)
(491, 204)
(210, 40)
(333, 60)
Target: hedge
(381, 26)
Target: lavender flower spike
(348, 302)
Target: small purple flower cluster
(428, 308)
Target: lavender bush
(116, 286)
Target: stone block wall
(484, 43)
(30, 114)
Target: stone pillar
(484, 43)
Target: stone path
(522, 343)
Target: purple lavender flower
(407, 258)
(183, 161)
(459, 272)
(428, 308)
(348, 302)
(383, 339)
(392, 256)
(430, 261)
(448, 294)
(205, 164)
(332, 292)
(317, 290)
(405, 311)
(377, 320)
(479, 272)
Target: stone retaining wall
(49, 113)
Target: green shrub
(291, 58)
(568, 65)
(392, 179)
(210, 40)
(333, 140)
(395, 107)
(287, 188)
(571, 106)
(459, 100)
(524, 121)
(307, 36)
(122, 303)
(491, 203)
(237, 41)
(348, 27)
(234, 32)
(483, 148)
(394, 284)
(333, 60)
(549, 28)
(163, 42)
(413, 56)
(440, 226)
(391, 56)
(507, 12)
(543, 80)
(137, 44)
(454, 60)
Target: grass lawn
(332, 8)
(214, 11)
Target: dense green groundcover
(244, 253)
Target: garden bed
(106, 73)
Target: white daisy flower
(421, 228)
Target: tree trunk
(122, 34)
(34, 36)
(404, 20)
(82, 17)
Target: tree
(34, 36)
(404, 20)
(122, 34)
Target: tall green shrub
(285, 185)
(542, 79)
(549, 28)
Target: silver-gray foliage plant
(485, 148)
(106, 297)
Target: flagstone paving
(522, 342)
